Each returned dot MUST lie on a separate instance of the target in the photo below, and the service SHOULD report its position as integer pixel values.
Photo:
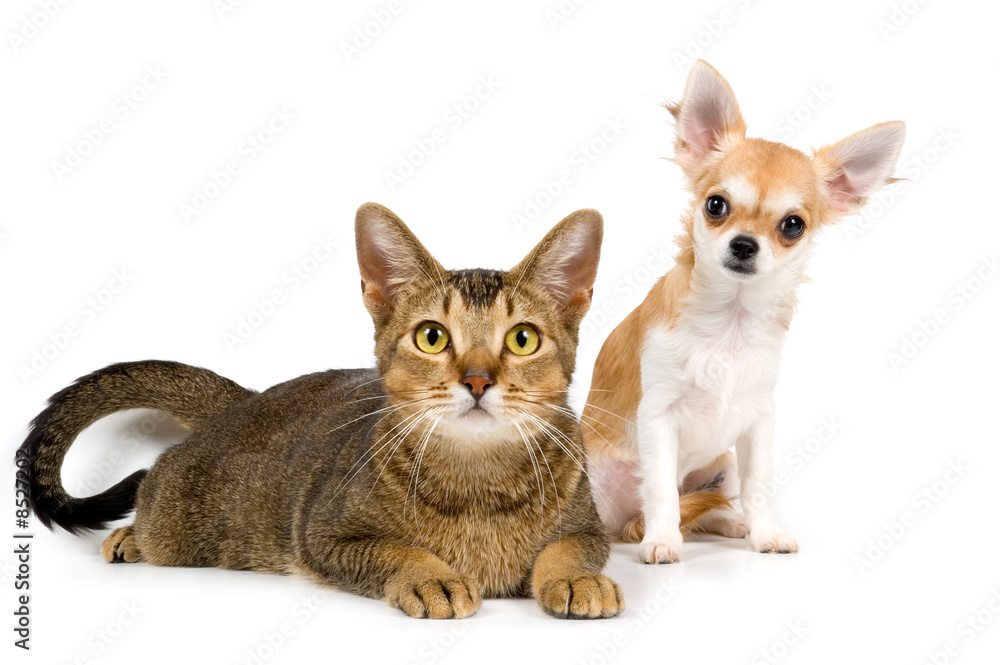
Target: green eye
(431, 337)
(522, 340)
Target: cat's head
(479, 354)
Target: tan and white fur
(689, 375)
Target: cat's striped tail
(188, 393)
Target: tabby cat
(452, 472)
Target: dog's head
(758, 203)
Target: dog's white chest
(713, 378)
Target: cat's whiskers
(555, 435)
(555, 487)
(416, 476)
(398, 439)
(566, 390)
(534, 465)
(625, 420)
(569, 412)
(391, 407)
(583, 421)
(541, 451)
(393, 393)
(372, 451)
(362, 385)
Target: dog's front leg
(754, 454)
(658, 442)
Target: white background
(897, 427)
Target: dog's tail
(188, 393)
(709, 496)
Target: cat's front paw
(584, 597)
(441, 596)
(772, 540)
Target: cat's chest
(496, 546)
(499, 554)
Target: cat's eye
(431, 337)
(716, 207)
(522, 340)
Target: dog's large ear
(858, 165)
(565, 262)
(705, 116)
(389, 258)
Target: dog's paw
(436, 597)
(735, 528)
(773, 540)
(661, 550)
(726, 523)
(584, 597)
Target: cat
(452, 472)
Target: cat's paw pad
(584, 597)
(773, 540)
(441, 597)
(661, 550)
(120, 547)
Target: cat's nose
(477, 384)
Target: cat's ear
(565, 262)
(389, 257)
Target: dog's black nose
(743, 247)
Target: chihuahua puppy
(691, 372)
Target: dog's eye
(716, 207)
(792, 226)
